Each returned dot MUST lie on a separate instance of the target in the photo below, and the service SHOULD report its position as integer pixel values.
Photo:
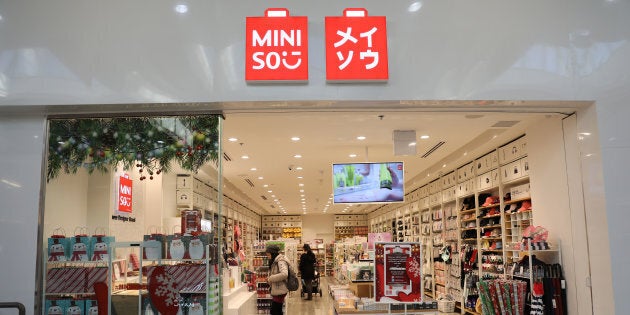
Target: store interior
(275, 184)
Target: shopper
(307, 270)
(278, 274)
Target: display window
(132, 216)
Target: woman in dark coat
(307, 270)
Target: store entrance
(277, 181)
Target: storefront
(177, 59)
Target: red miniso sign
(124, 194)
(356, 47)
(276, 48)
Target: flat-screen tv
(368, 182)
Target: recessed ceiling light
(260, 177)
(361, 138)
(301, 190)
(585, 133)
(299, 168)
(269, 191)
(265, 185)
(252, 169)
(424, 137)
(181, 8)
(412, 144)
(300, 177)
(295, 138)
(301, 185)
(302, 195)
(244, 157)
(232, 139)
(274, 196)
(443, 165)
(297, 156)
(352, 155)
(465, 153)
(415, 7)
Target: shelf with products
(263, 290)
(281, 226)
(330, 263)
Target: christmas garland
(150, 144)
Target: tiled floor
(296, 305)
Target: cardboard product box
(362, 290)
(346, 303)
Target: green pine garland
(148, 143)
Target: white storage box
(520, 192)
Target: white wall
(21, 151)
(551, 206)
(316, 226)
(64, 54)
(62, 212)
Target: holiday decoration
(150, 144)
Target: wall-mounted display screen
(368, 182)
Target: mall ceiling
(284, 176)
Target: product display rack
(281, 226)
(209, 286)
(350, 225)
(263, 290)
(480, 236)
(329, 260)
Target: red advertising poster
(398, 273)
(276, 47)
(125, 185)
(356, 47)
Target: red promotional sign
(124, 194)
(276, 47)
(356, 47)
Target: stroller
(315, 287)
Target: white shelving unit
(444, 219)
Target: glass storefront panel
(133, 215)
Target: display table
(239, 301)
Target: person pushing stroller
(307, 270)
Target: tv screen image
(368, 182)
